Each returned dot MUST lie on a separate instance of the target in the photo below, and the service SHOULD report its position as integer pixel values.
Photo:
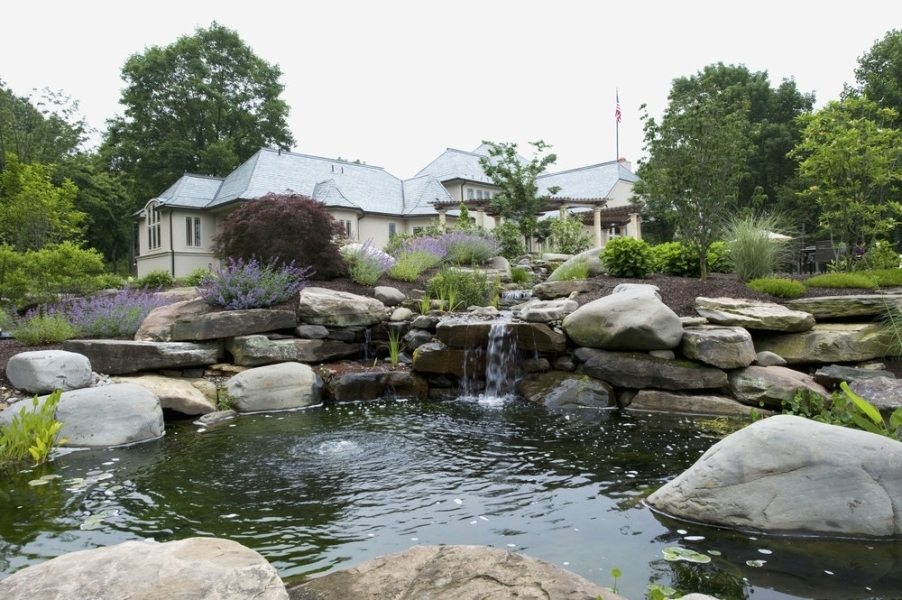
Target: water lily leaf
(674, 553)
(96, 521)
(755, 563)
(34, 482)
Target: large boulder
(640, 371)
(633, 319)
(209, 568)
(684, 403)
(452, 573)
(753, 314)
(769, 387)
(257, 350)
(373, 385)
(549, 290)
(557, 390)
(231, 323)
(862, 305)
(281, 386)
(786, 474)
(545, 311)
(722, 347)
(331, 308)
(157, 325)
(179, 395)
(589, 257)
(42, 371)
(102, 417)
(121, 357)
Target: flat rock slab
(208, 568)
(832, 307)
(121, 357)
(752, 314)
(452, 573)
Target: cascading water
(502, 364)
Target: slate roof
(460, 164)
(191, 191)
(593, 181)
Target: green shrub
(285, 229)
(753, 252)
(627, 257)
(194, 278)
(521, 276)
(719, 258)
(881, 255)
(510, 240)
(32, 434)
(410, 265)
(675, 258)
(778, 286)
(569, 236)
(843, 280)
(39, 328)
(160, 278)
(36, 277)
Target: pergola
(603, 218)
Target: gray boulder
(42, 371)
(684, 403)
(769, 387)
(753, 314)
(557, 390)
(634, 319)
(179, 395)
(102, 417)
(590, 257)
(209, 568)
(282, 386)
(121, 357)
(389, 296)
(829, 343)
(317, 351)
(373, 385)
(722, 347)
(831, 307)
(640, 371)
(231, 323)
(452, 573)
(549, 290)
(257, 350)
(832, 375)
(885, 393)
(786, 474)
(331, 308)
(545, 311)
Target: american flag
(617, 113)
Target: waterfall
(501, 361)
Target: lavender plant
(470, 247)
(240, 285)
(366, 263)
(116, 315)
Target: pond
(329, 487)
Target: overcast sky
(394, 83)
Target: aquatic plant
(33, 433)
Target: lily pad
(674, 553)
(96, 521)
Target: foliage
(462, 288)
(720, 259)
(510, 240)
(518, 198)
(241, 284)
(881, 255)
(32, 434)
(842, 280)
(411, 265)
(39, 276)
(116, 315)
(778, 286)
(519, 275)
(366, 263)
(627, 257)
(287, 228)
(851, 154)
(697, 159)
(39, 327)
(887, 277)
(754, 254)
(156, 279)
(202, 104)
(470, 247)
(569, 235)
(33, 211)
(425, 304)
(846, 410)
(675, 258)
(394, 346)
(194, 278)
(575, 269)
(879, 72)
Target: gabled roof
(594, 181)
(459, 164)
(191, 191)
(420, 193)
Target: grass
(777, 286)
(858, 280)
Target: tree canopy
(879, 72)
(203, 104)
(518, 198)
(697, 159)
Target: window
(154, 240)
(392, 230)
(469, 193)
(192, 231)
(346, 227)
(479, 194)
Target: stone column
(596, 221)
(441, 217)
(480, 217)
(636, 225)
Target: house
(176, 229)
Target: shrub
(34, 277)
(627, 257)
(39, 327)
(470, 247)
(116, 315)
(457, 288)
(675, 258)
(777, 286)
(569, 236)
(194, 278)
(285, 229)
(32, 434)
(411, 265)
(243, 285)
(881, 255)
(753, 252)
(159, 278)
(842, 280)
(510, 240)
(719, 258)
(366, 264)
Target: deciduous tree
(203, 104)
(697, 159)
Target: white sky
(393, 83)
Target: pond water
(329, 487)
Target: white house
(176, 229)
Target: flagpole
(617, 117)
